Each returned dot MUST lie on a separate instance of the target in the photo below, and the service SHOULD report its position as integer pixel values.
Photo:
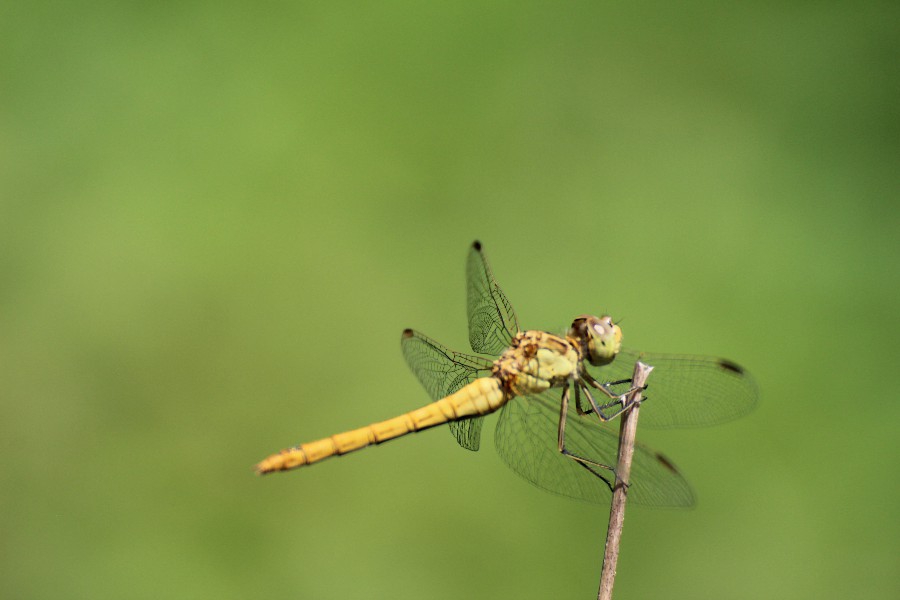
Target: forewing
(686, 391)
(526, 440)
(492, 320)
(441, 372)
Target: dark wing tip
(730, 366)
(408, 333)
(666, 462)
(476, 245)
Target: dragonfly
(557, 396)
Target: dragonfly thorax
(536, 361)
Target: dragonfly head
(598, 337)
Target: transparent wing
(526, 440)
(442, 371)
(685, 391)
(492, 320)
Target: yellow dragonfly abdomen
(482, 396)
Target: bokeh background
(216, 219)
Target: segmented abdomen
(480, 397)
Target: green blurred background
(216, 219)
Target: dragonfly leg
(578, 407)
(604, 387)
(590, 465)
(594, 407)
(619, 401)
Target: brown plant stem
(627, 432)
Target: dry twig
(627, 431)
